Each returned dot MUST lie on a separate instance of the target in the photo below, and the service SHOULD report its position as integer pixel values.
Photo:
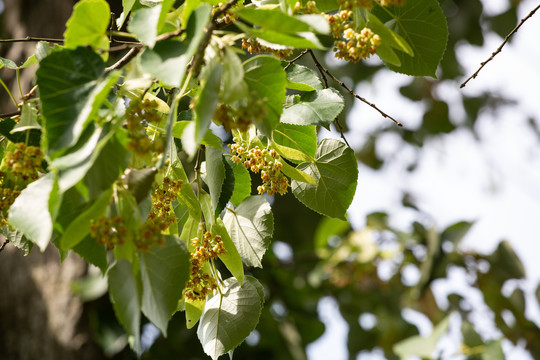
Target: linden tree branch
(499, 49)
(322, 69)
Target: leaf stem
(9, 93)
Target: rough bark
(40, 318)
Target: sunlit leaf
(43, 197)
(319, 107)
(88, 25)
(266, 77)
(250, 226)
(336, 172)
(230, 317)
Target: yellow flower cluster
(349, 44)
(264, 161)
(25, 161)
(254, 47)
(200, 283)
(140, 114)
(109, 231)
(161, 215)
(19, 168)
(252, 110)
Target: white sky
(495, 181)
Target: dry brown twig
(499, 49)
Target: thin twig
(124, 60)
(31, 39)
(4, 244)
(320, 68)
(199, 55)
(6, 115)
(170, 35)
(295, 59)
(499, 49)
(342, 84)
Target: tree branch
(13, 113)
(31, 39)
(124, 60)
(4, 244)
(295, 59)
(499, 49)
(322, 69)
(199, 55)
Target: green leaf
(456, 232)
(422, 346)
(143, 24)
(126, 301)
(230, 317)
(319, 107)
(233, 87)
(28, 119)
(71, 94)
(290, 153)
(168, 60)
(302, 138)
(186, 195)
(422, 25)
(17, 239)
(304, 41)
(302, 78)
(164, 272)
(336, 172)
(93, 252)
(242, 183)
(266, 77)
(209, 139)
(250, 226)
(127, 5)
(109, 160)
(42, 197)
(88, 25)
(227, 188)
(296, 174)
(207, 102)
(207, 208)
(10, 64)
(274, 19)
(388, 36)
(194, 311)
(327, 5)
(215, 174)
(231, 258)
(79, 228)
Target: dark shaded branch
(295, 59)
(124, 60)
(31, 39)
(499, 49)
(320, 68)
(4, 244)
(199, 55)
(13, 113)
(342, 84)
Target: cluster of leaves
(118, 143)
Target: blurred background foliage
(363, 269)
